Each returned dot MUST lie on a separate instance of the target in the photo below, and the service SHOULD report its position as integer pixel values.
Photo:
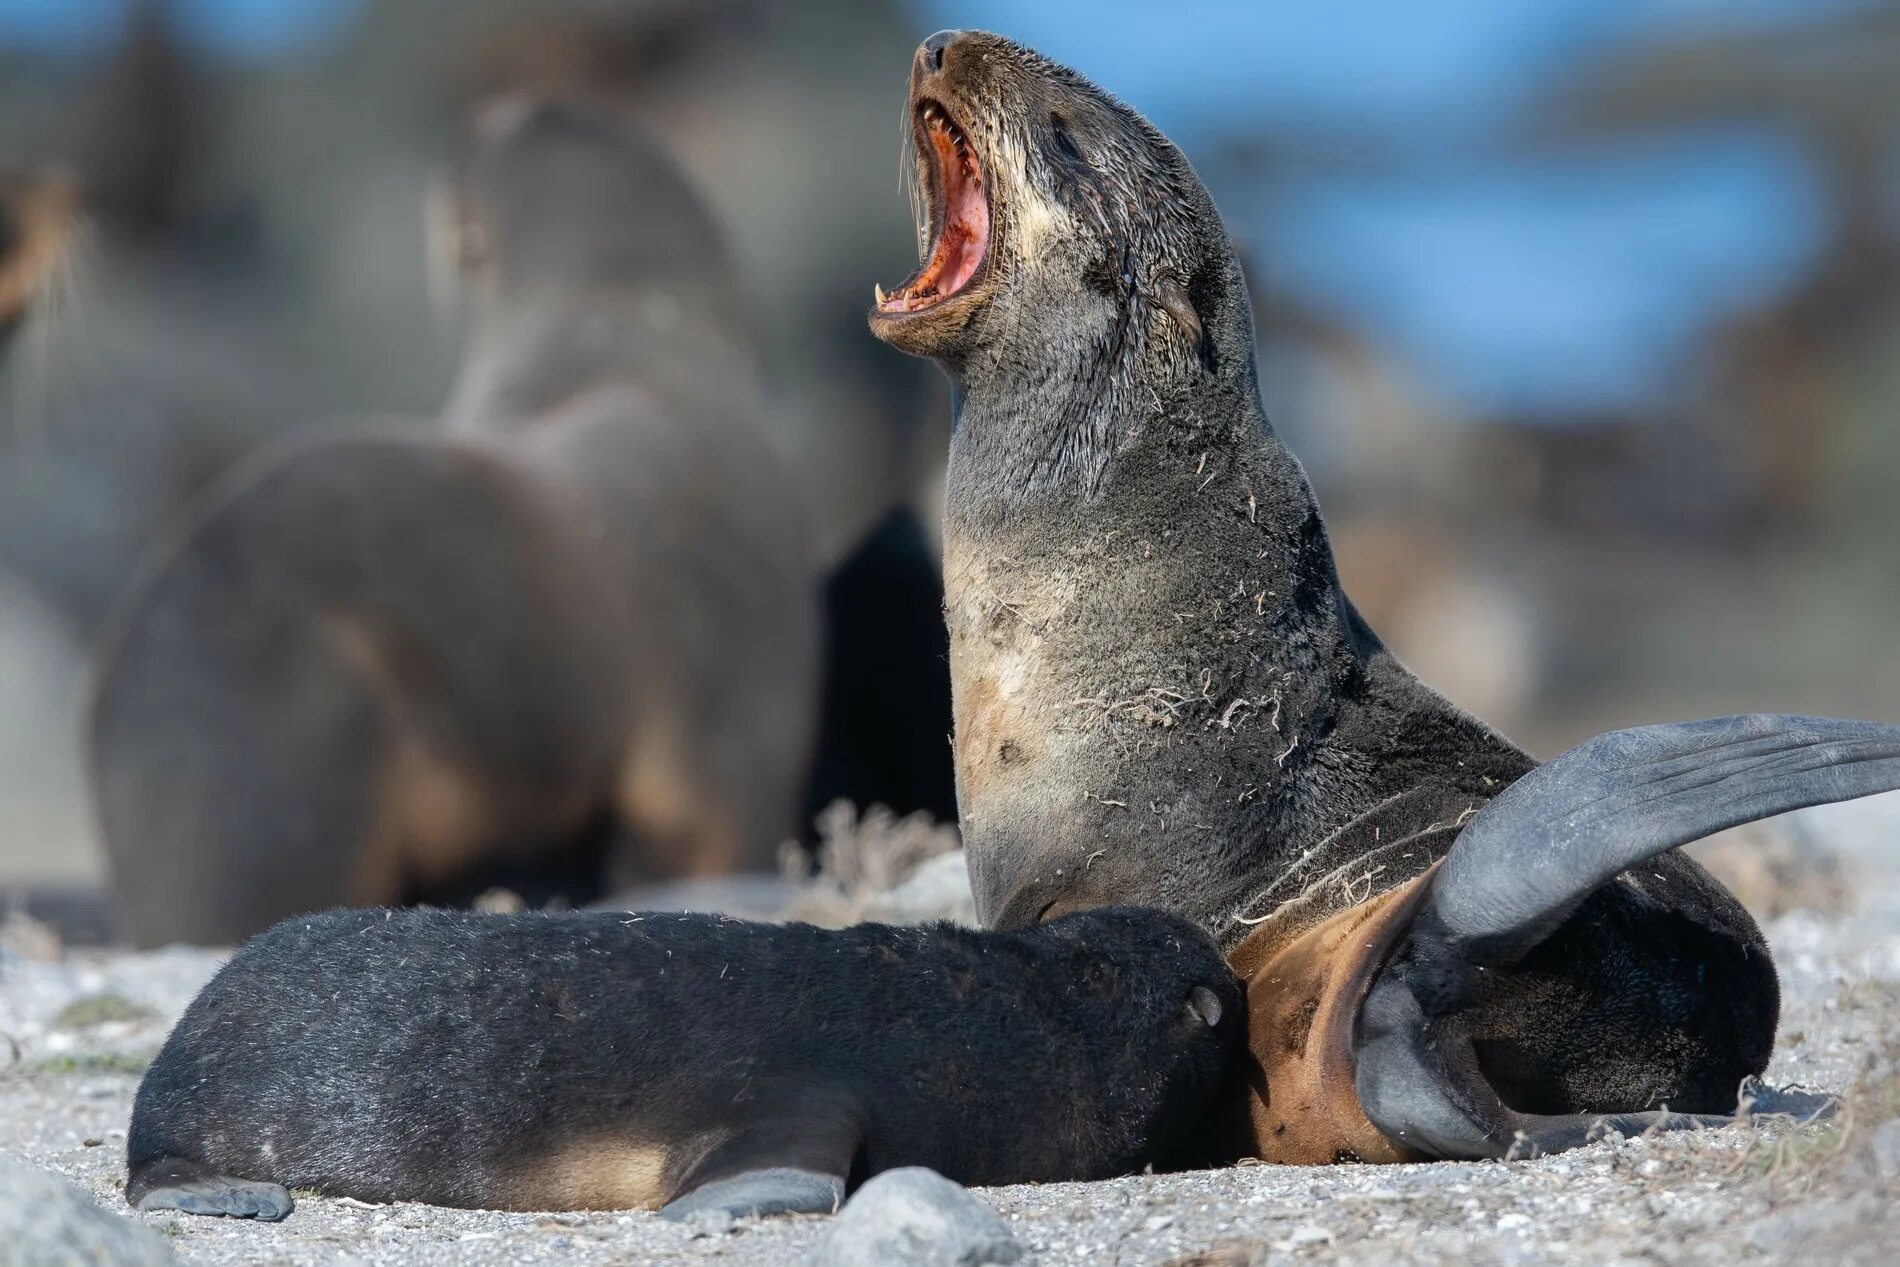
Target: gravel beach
(76, 1028)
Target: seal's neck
(531, 353)
(1162, 691)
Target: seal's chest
(1009, 688)
(998, 684)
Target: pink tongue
(969, 225)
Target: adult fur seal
(1161, 693)
(382, 663)
(600, 1061)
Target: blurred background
(1583, 314)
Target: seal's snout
(930, 53)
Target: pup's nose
(930, 55)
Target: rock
(915, 1218)
(703, 1223)
(1887, 1150)
(47, 1222)
(1306, 1236)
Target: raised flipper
(1528, 861)
(173, 1183)
(791, 1159)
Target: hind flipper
(1364, 1025)
(790, 1158)
(1525, 868)
(173, 1183)
(1530, 857)
(761, 1194)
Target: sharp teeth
(878, 290)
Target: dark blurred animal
(1162, 695)
(601, 1061)
(381, 665)
(885, 735)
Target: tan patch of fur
(43, 214)
(1003, 690)
(683, 831)
(596, 1174)
(431, 816)
(1033, 220)
(1303, 994)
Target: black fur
(445, 1057)
(885, 735)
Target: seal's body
(605, 1060)
(1161, 693)
(383, 663)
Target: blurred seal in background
(571, 641)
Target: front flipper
(173, 1183)
(1526, 864)
(792, 1156)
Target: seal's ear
(1205, 1004)
(1173, 298)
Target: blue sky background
(1546, 284)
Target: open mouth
(959, 216)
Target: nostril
(933, 49)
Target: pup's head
(572, 194)
(1059, 224)
(1163, 1013)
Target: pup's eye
(1204, 1005)
(1064, 142)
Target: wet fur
(382, 663)
(1161, 692)
(602, 1060)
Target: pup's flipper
(1525, 864)
(786, 1159)
(761, 1194)
(173, 1183)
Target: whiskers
(909, 177)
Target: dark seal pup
(602, 1061)
(1161, 693)
(382, 663)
